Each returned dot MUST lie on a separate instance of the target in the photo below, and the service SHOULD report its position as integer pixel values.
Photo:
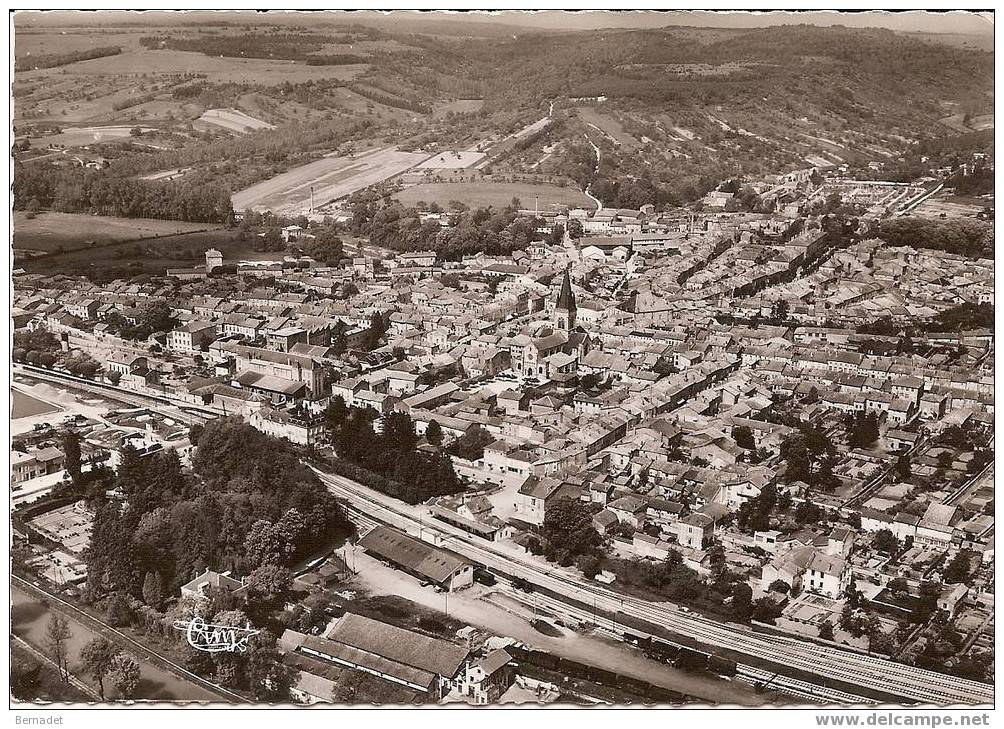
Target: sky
(918, 21)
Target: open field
(233, 120)
(151, 256)
(982, 122)
(24, 405)
(608, 125)
(81, 136)
(944, 205)
(40, 42)
(452, 161)
(497, 194)
(237, 70)
(331, 178)
(165, 175)
(48, 232)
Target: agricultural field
(233, 121)
(496, 194)
(40, 42)
(451, 160)
(608, 127)
(154, 256)
(946, 206)
(137, 84)
(260, 71)
(50, 232)
(331, 177)
(82, 136)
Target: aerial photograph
(509, 359)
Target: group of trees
(103, 661)
(979, 181)
(568, 533)
(755, 514)
(809, 456)
(963, 317)
(153, 315)
(973, 238)
(41, 348)
(862, 428)
(171, 525)
(99, 659)
(391, 225)
(287, 46)
(389, 460)
(80, 190)
(39, 341)
(471, 445)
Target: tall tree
(434, 433)
(124, 675)
(70, 442)
(153, 589)
(97, 656)
(57, 636)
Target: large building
(427, 563)
(426, 665)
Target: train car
(641, 641)
(484, 577)
(662, 651)
(691, 660)
(722, 666)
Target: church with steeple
(564, 310)
(551, 349)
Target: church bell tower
(564, 310)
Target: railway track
(189, 414)
(877, 674)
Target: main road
(879, 675)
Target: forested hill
(667, 64)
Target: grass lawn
(495, 194)
(51, 231)
(151, 256)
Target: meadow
(495, 194)
(48, 232)
(128, 258)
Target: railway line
(370, 508)
(188, 414)
(876, 674)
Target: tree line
(78, 190)
(53, 60)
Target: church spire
(564, 310)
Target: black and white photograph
(502, 359)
